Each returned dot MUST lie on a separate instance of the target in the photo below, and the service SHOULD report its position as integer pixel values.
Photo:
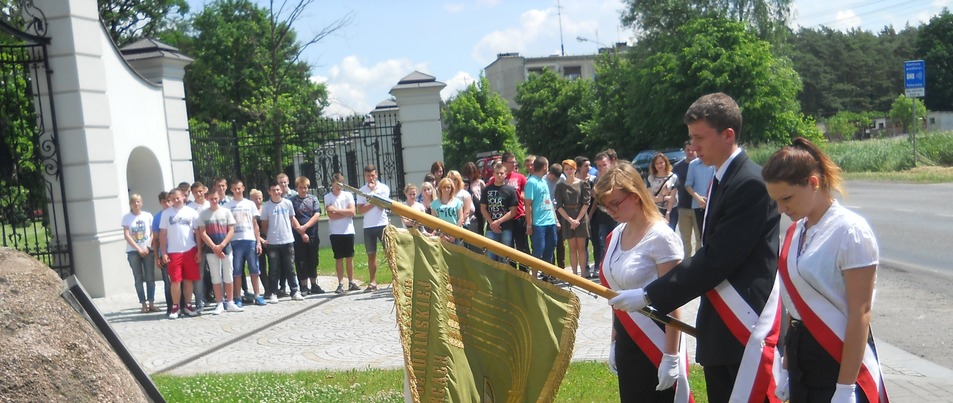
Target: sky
(454, 40)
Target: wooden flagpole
(511, 253)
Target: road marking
(904, 210)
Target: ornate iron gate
(33, 216)
(317, 152)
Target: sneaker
(370, 288)
(281, 294)
(174, 314)
(234, 308)
(260, 301)
(200, 306)
(191, 310)
(353, 287)
(219, 308)
(316, 289)
(273, 299)
(239, 303)
(297, 296)
(340, 289)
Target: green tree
(850, 125)
(130, 20)
(839, 74)
(551, 115)
(711, 55)
(902, 111)
(661, 17)
(935, 46)
(249, 69)
(477, 120)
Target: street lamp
(583, 39)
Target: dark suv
(643, 159)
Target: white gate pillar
(418, 103)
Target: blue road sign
(914, 78)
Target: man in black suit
(735, 270)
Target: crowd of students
(230, 251)
(726, 252)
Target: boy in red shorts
(178, 237)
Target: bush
(879, 155)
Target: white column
(418, 102)
(86, 144)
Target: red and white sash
(647, 335)
(761, 361)
(825, 322)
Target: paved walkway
(358, 330)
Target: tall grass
(879, 155)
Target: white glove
(667, 371)
(844, 394)
(612, 366)
(783, 389)
(629, 300)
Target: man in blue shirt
(540, 214)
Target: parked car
(643, 159)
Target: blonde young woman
(137, 230)
(828, 268)
(464, 195)
(447, 206)
(662, 188)
(648, 357)
(573, 197)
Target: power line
(871, 13)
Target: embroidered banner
(477, 330)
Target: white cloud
(355, 88)
(487, 3)
(539, 29)
(458, 83)
(846, 19)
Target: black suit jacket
(740, 245)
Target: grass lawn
(588, 381)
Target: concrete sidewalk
(358, 330)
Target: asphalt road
(913, 306)
(913, 223)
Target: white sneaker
(273, 299)
(219, 308)
(232, 307)
(297, 296)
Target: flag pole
(511, 253)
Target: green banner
(476, 330)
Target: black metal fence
(256, 154)
(33, 216)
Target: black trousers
(811, 370)
(638, 376)
(306, 256)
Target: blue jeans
(505, 237)
(244, 252)
(544, 242)
(143, 269)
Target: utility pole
(559, 12)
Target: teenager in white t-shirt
(177, 245)
(246, 246)
(216, 229)
(199, 203)
(137, 229)
(340, 207)
(375, 219)
(278, 221)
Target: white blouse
(841, 240)
(636, 267)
